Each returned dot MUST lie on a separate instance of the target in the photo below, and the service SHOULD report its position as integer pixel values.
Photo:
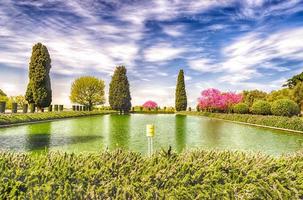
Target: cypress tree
(39, 86)
(119, 94)
(181, 99)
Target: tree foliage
(285, 107)
(88, 91)
(241, 108)
(3, 96)
(150, 104)
(261, 107)
(181, 98)
(293, 81)
(214, 100)
(284, 93)
(297, 94)
(250, 96)
(119, 93)
(2, 93)
(20, 100)
(39, 86)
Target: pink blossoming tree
(212, 99)
(150, 105)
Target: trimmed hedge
(285, 107)
(241, 108)
(292, 123)
(261, 107)
(120, 174)
(6, 119)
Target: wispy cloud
(162, 52)
(229, 44)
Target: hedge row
(126, 175)
(292, 123)
(6, 119)
(281, 107)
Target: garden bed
(126, 175)
(286, 123)
(11, 119)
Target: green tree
(297, 94)
(20, 100)
(3, 96)
(284, 93)
(39, 86)
(180, 95)
(119, 94)
(250, 96)
(88, 91)
(2, 93)
(293, 81)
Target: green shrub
(2, 106)
(120, 174)
(241, 108)
(29, 117)
(285, 107)
(261, 108)
(25, 108)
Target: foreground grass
(291, 123)
(7, 119)
(126, 175)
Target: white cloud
(173, 31)
(247, 55)
(162, 52)
(204, 65)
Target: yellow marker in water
(150, 130)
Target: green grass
(291, 123)
(7, 119)
(126, 175)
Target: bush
(121, 174)
(30, 117)
(261, 108)
(241, 108)
(285, 107)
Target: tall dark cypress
(119, 93)
(181, 98)
(39, 86)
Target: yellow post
(150, 133)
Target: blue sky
(227, 44)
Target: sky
(231, 45)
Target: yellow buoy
(150, 130)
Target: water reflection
(98, 132)
(210, 132)
(119, 126)
(180, 132)
(38, 137)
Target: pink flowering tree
(150, 105)
(212, 99)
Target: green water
(112, 131)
